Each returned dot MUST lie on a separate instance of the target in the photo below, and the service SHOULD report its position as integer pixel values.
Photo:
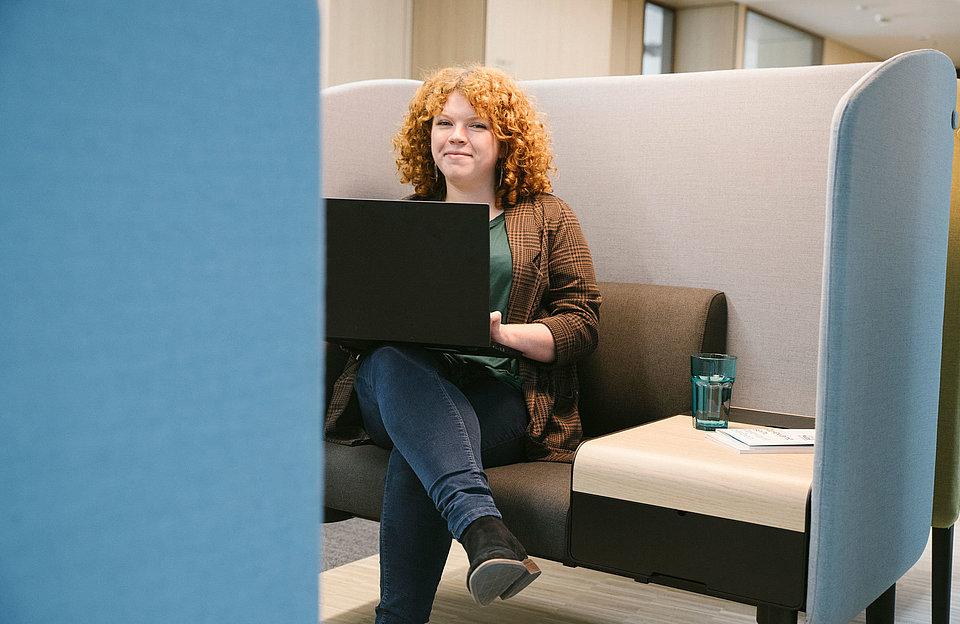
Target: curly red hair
(526, 163)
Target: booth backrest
(710, 180)
(628, 381)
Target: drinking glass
(711, 377)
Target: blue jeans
(441, 436)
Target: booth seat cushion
(534, 497)
(353, 478)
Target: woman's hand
(534, 340)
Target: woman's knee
(386, 374)
(377, 360)
(391, 356)
(393, 361)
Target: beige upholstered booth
(816, 201)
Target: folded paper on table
(765, 440)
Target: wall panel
(549, 38)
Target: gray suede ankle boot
(499, 565)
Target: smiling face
(464, 147)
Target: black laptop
(406, 271)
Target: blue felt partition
(159, 299)
(879, 373)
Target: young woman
(471, 135)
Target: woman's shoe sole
(531, 575)
(501, 577)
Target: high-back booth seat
(816, 200)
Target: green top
(501, 277)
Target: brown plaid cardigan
(553, 284)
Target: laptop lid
(408, 271)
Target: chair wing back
(657, 172)
(880, 336)
(946, 488)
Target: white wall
(706, 38)
(626, 45)
(365, 39)
(836, 53)
(447, 33)
(549, 38)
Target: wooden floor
(563, 595)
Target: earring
(501, 177)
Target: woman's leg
(499, 566)
(502, 414)
(414, 536)
(414, 543)
(406, 403)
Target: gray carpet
(347, 541)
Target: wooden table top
(670, 464)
